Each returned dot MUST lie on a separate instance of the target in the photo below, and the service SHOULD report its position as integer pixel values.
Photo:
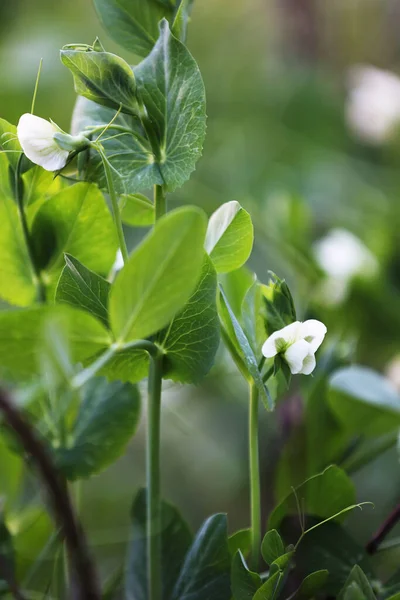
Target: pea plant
(85, 320)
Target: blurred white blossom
(36, 136)
(373, 104)
(297, 343)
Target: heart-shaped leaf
(229, 238)
(106, 421)
(272, 546)
(81, 287)
(159, 277)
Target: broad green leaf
(22, 337)
(269, 589)
(229, 238)
(133, 23)
(191, 340)
(354, 592)
(39, 186)
(17, 281)
(330, 547)
(106, 421)
(322, 495)
(278, 303)
(357, 576)
(175, 542)
(236, 284)
(244, 583)
(206, 570)
(137, 210)
(365, 402)
(159, 277)
(240, 540)
(9, 143)
(240, 345)
(272, 546)
(181, 19)
(75, 221)
(282, 561)
(311, 585)
(171, 87)
(102, 77)
(80, 287)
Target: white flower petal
(285, 336)
(308, 364)
(313, 332)
(36, 137)
(295, 356)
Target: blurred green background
(308, 145)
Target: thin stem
(384, 530)
(19, 196)
(255, 491)
(160, 201)
(114, 201)
(154, 525)
(268, 374)
(84, 570)
(36, 86)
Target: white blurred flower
(342, 255)
(373, 104)
(297, 343)
(36, 136)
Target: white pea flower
(45, 144)
(36, 136)
(297, 343)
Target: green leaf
(206, 570)
(127, 365)
(322, 495)
(175, 542)
(240, 345)
(244, 583)
(78, 286)
(357, 576)
(240, 540)
(365, 402)
(137, 210)
(229, 238)
(311, 585)
(106, 421)
(102, 77)
(159, 277)
(17, 283)
(172, 90)
(269, 589)
(272, 546)
(22, 337)
(133, 23)
(181, 19)
(236, 284)
(191, 340)
(278, 303)
(330, 547)
(75, 221)
(354, 592)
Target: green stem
(160, 201)
(19, 195)
(114, 201)
(154, 525)
(255, 492)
